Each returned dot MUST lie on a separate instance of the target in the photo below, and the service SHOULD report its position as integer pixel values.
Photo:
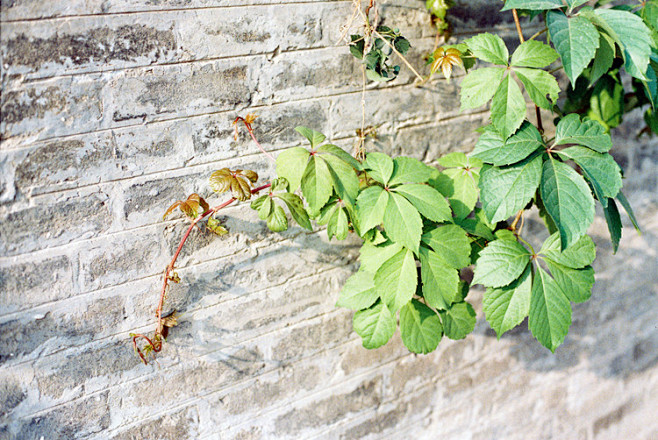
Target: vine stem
(247, 123)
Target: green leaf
(629, 210)
(440, 281)
(568, 200)
(375, 325)
(420, 327)
(314, 137)
(429, 202)
(316, 183)
(296, 207)
(396, 279)
(370, 207)
(291, 165)
(500, 263)
(600, 169)
(575, 3)
(358, 292)
(606, 104)
(588, 133)
(539, 84)
(533, 53)
(550, 311)
(506, 307)
(373, 256)
(340, 154)
(576, 40)
(459, 320)
(410, 170)
(402, 222)
(605, 56)
(277, 221)
(451, 244)
(532, 5)
(491, 147)
(345, 180)
(380, 167)
(266, 207)
(632, 35)
(506, 190)
(338, 225)
(488, 47)
(508, 107)
(479, 86)
(576, 284)
(582, 253)
(459, 160)
(613, 220)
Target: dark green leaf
(550, 311)
(576, 40)
(600, 169)
(506, 307)
(491, 147)
(296, 207)
(605, 55)
(613, 220)
(582, 253)
(500, 263)
(576, 284)
(429, 202)
(508, 107)
(277, 221)
(440, 281)
(539, 84)
(532, 5)
(402, 222)
(588, 133)
(629, 210)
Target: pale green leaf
(338, 225)
(429, 202)
(568, 200)
(459, 320)
(533, 53)
(277, 221)
(266, 207)
(370, 207)
(316, 183)
(576, 40)
(451, 243)
(488, 47)
(375, 325)
(314, 137)
(341, 154)
(296, 207)
(373, 256)
(532, 5)
(461, 188)
(440, 281)
(402, 222)
(459, 160)
(570, 130)
(506, 190)
(500, 263)
(539, 84)
(396, 279)
(291, 164)
(410, 170)
(508, 107)
(580, 254)
(506, 307)
(576, 284)
(550, 311)
(358, 292)
(600, 169)
(345, 180)
(479, 86)
(491, 147)
(420, 327)
(380, 167)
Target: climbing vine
(422, 226)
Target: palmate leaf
(506, 307)
(532, 5)
(575, 3)
(458, 321)
(396, 280)
(539, 84)
(570, 130)
(296, 207)
(409, 170)
(340, 154)
(338, 224)
(358, 292)
(451, 244)
(576, 40)
(629, 210)
(508, 107)
(488, 47)
(344, 178)
(380, 167)
(479, 86)
(550, 311)
(459, 182)
(605, 56)
(567, 199)
(440, 281)
(373, 256)
(371, 206)
(428, 201)
(576, 284)
(600, 169)
(582, 253)
(291, 164)
(420, 327)
(607, 101)
(500, 263)
(533, 53)
(317, 183)
(492, 149)
(613, 221)
(402, 222)
(277, 221)
(375, 325)
(506, 190)
(315, 138)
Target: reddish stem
(251, 132)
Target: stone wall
(111, 110)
